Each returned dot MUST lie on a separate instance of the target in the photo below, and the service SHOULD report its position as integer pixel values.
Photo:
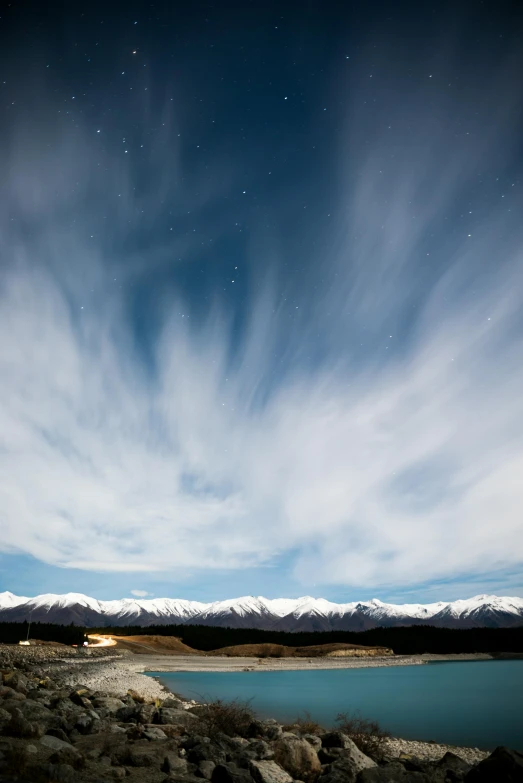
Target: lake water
(474, 703)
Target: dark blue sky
(260, 309)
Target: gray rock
(154, 733)
(68, 755)
(454, 764)
(16, 680)
(297, 757)
(272, 731)
(127, 714)
(52, 742)
(504, 765)
(19, 726)
(167, 715)
(172, 702)
(137, 756)
(146, 713)
(108, 703)
(58, 773)
(60, 733)
(313, 740)
(85, 723)
(5, 717)
(9, 693)
(352, 754)
(334, 739)
(341, 771)
(205, 751)
(206, 768)
(174, 765)
(268, 772)
(34, 710)
(230, 773)
(395, 773)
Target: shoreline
(116, 675)
(189, 663)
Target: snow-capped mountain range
(281, 614)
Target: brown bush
(232, 718)
(366, 734)
(305, 725)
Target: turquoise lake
(476, 704)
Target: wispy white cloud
(373, 469)
(141, 593)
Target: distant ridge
(279, 614)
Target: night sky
(261, 299)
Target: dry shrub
(232, 718)
(305, 725)
(366, 734)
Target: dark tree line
(403, 640)
(12, 633)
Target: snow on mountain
(285, 614)
(8, 600)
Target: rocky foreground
(66, 716)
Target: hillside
(159, 645)
(267, 650)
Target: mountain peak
(286, 614)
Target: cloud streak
(392, 457)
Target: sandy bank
(189, 663)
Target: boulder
(68, 755)
(16, 680)
(313, 740)
(268, 772)
(272, 731)
(127, 714)
(19, 726)
(260, 750)
(177, 717)
(341, 771)
(230, 773)
(108, 703)
(135, 696)
(154, 733)
(298, 758)
(395, 773)
(86, 723)
(40, 696)
(35, 710)
(205, 751)
(335, 739)
(451, 763)
(170, 701)
(504, 765)
(60, 733)
(174, 765)
(146, 713)
(5, 717)
(9, 693)
(53, 742)
(206, 768)
(80, 696)
(58, 773)
(329, 755)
